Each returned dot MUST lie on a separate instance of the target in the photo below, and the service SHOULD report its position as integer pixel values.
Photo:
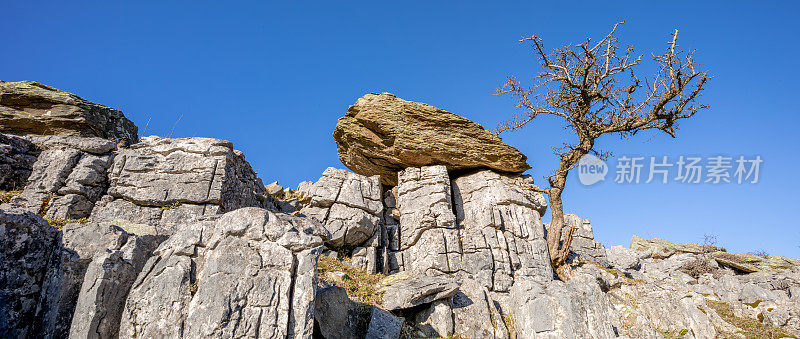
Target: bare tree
(595, 88)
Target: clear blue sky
(274, 78)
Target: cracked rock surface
(246, 273)
(347, 204)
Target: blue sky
(274, 78)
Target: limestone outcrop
(29, 262)
(347, 204)
(28, 107)
(247, 273)
(167, 182)
(382, 134)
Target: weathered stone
(624, 259)
(583, 244)
(663, 248)
(29, 264)
(167, 182)
(337, 316)
(406, 290)
(428, 238)
(575, 309)
(436, 320)
(383, 134)
(28, 107)
(17, 156)
(106, 284)
(475, 314)
(249, 272)
(68, 177)
(347, 204)
(383, 325)
(502, 237)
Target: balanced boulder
(28, 107)
(383, 134)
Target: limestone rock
(624, 259)
(347, 204)
(502, 237)
(383, 134)
(68, 176)
(428, 238)
(29, 262)
(249, 272)
(575, 309)
(337, 316)
(475, 314)
(167, 182)
(383, 325)
(583, 244)
(106, 284)
(407, 290)
(17, 156)
(28, 107)
(663, 248)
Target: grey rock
(436, 320)
(428, 238)
(17, 156)
(28, 107)
(29, 268)
(347, 204)
(383, 325)
(168, 182)
(502, 236)
(407, 290)
(575, 309)
(249, 272)
(105, 287)
(475, 314)
(583, 244)
(66, 179)
(337, 316)
(622, 258)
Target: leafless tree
(595, 87)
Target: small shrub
(172, 205)
(59, 223)
(6, 196)
(45, 205)
(697, 267)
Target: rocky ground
(436, 234)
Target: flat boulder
(382, 134)
(28, 107)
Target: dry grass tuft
(751, 328)
(6, 196)
(360, 285)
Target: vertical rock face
(29, 254)
(165, 182)
(249, 273)
(484, 229)
(28, 107)
(108, 279)
(583, 244)
(503, 237)
(575, 309)
(347, 204)
(68, 176)
(428, 237)
(17, 156)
